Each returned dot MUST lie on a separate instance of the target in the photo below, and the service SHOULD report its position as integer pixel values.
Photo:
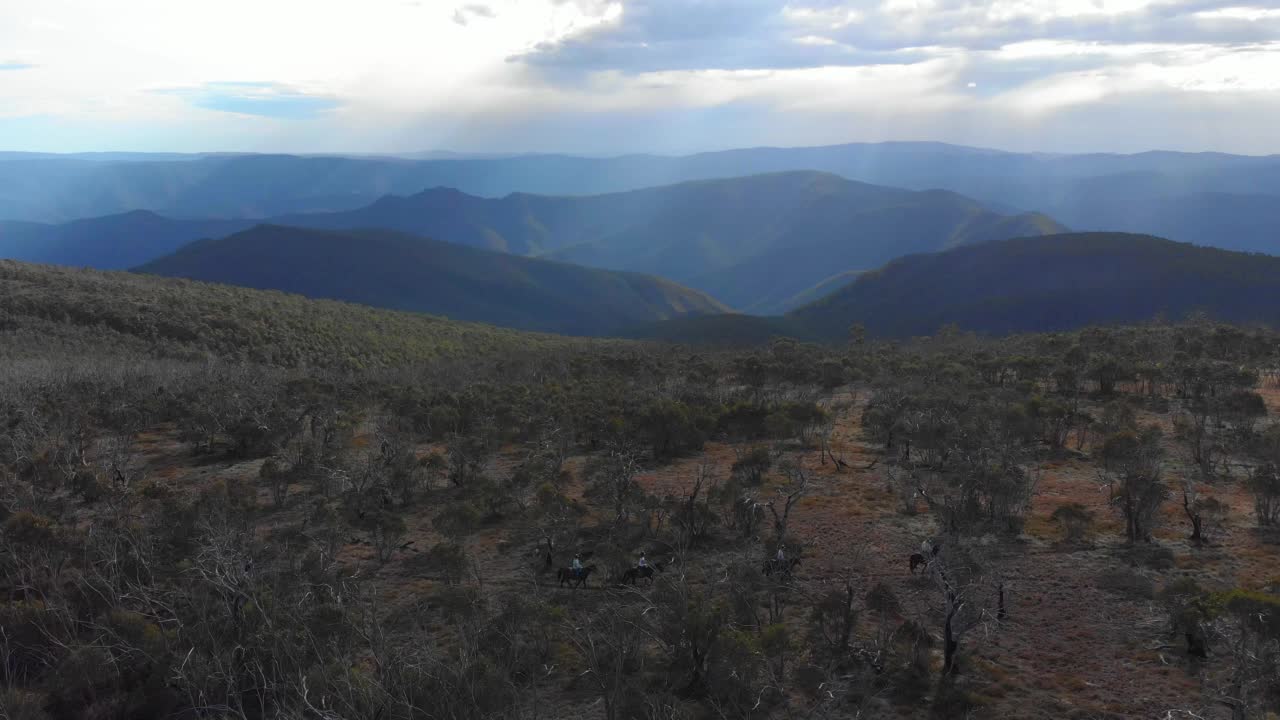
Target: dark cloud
(662, 35)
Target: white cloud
(831, 18)
(1246, 14)
(814, 40)
(556, 74)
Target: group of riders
(576, 565)
(928, 551)
(643, 562)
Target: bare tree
(788, 496)
(614, 474)
(609, 644)
(967, 597)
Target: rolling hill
(114, 242)
(761, 243)
(1057, 282)
(49, 311)
(402, 272)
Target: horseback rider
(576, 565)
(642, 562)
(781, 557)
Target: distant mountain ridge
(1087, 191)
(392, 270)
(753, 242)
(113, 242)
(759, 243)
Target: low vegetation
(209, 520)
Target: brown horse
(640, 573)
(574, 578)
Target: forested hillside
(50, 312)
(1056, 282)
(402, 272)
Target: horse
(774, 565)
(916, 561)
(637, 573)
(574, 578)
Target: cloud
(623, 75)
(465, 14)
(15, 65)
(263, 99)
(654, 35)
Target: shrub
(1075, 520)
(1127, 583)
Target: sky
(606, 77)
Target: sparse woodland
(201, 517)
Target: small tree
(788, 496)
(614, 475)
(1247, 626)
(834, 617)
(1264, 483)
(469, 453)
(1132, 462)
(693, 516)
(385, 530)
(960, 580)
(609, 644)
(751, 467)
(1205, 513)
(1075, 520)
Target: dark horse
(916, 561)
(640, 573)
(573, 578)
(773, 565)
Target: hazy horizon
(481, 153)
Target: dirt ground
(1081, 640)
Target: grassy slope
(75, 311)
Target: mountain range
(387, 269)
(1085, 192)
(759, 243)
